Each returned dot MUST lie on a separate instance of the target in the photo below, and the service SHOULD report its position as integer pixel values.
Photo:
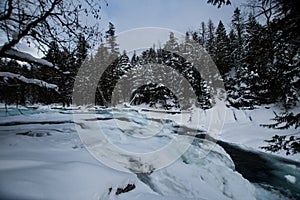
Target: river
(265, 169)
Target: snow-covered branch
(22, 56)
(29, 80)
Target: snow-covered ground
(242, 127)
(43, 157)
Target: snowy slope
(42, 157)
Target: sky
(179, 15)
(135, 19)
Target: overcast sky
(177, 16)
(180, 15)
(170, 15)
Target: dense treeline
(17, 91)
(257, 57)
(259, 63)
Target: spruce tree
(109, 76)
(203, 34)
(172, 44)
(238, 28)
(239, 88)
(210, 44)
(111, 40)
(81, 50)
(222, 52)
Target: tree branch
(29, 27)
(9, 11)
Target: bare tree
(37, 22)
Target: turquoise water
(266, 169)
(14, 112)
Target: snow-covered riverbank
(42, 157)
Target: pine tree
(170, 75)
(75, 61)
(134, 59)
(197, 85)
(81, 50)
(210, 44)
(285, 29)
(255, 61)
(111, 40)
(196, 37)
(286, 74)
(84, 93)
(106, 59)
(238, 86)
(69, 71)
(222, 54)
(238, 28)
(172, 44)
(59, 58)
(203, 34)
(121, 92)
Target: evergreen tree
(134, 59)
(285, 29)
(109, 76)
(171, 74)
(111, 40)
(210, 44)
(255, 61)
(81, 50)
(238, 85)
(222, 54)
(203, 34)
(196, 37)
(238, 43)
(56, 76)
(69, 70)
(198, 85)
(172, 45)
(121, 93)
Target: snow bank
(211, 178)
(58, 166)
(242, 127)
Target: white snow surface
(242, 127)
(58, 166)
(291, 179)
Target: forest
(257, 57)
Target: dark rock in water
(109, 190)
(34, 134)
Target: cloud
(143, 38)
